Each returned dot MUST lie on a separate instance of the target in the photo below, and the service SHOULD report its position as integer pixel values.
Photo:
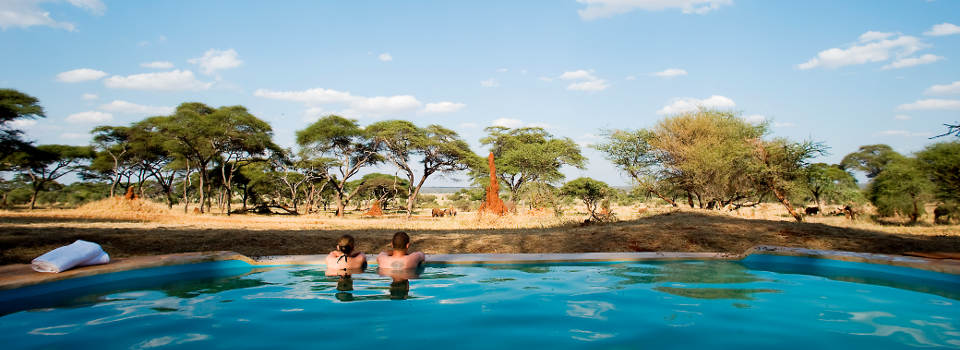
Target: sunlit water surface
(685, 305)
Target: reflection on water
(714, 293)
(551, 306)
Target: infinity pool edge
(21, 275)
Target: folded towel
(80, 253)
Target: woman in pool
(344, 258)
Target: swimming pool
(788, 302)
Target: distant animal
(812, 210)
(944, 213)
(450, 211)
(851, 214)
(436, 212)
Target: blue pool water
(762, 301)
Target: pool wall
(21, 276)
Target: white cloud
(507, 123)
(124, 107)
(902, 117)
(89, 117)
(931, 104)
(383, 105)
(594, 85)
(902, 133)
(784, 125)
(163, 81)
(214, 60)
(22, 123)
(385, 57)
(872, 36)
(755, 119)
(93, 6)
(948, 89)
(490, 83)
(913, 61)
(443, 107)
(539, 125)
(873, 47)
(671, 72)
(368, 106)
(27, 13)
(90, 96)
(584, 80)
(79, 75)
(690, 104)
(578, 75)
(502, 70)
(630, 77)
(943, 29)
(607, 8)
(157, 65)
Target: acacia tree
(188, 133)
(343, 140)
(779, 163)
(827, 181)
(901, 187)
(526, 155)
(630, 151)
(941, 162)
(439, 150)
(113, 146)
(297, 170)
(15, 105)
(705, 152)
(588, 190)
(239, 138)
(47, 163)
(150, 152)
(870, 159)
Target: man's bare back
(400, 260)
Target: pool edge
(20, 275)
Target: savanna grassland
(128, 228)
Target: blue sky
(846, 73)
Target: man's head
(401, 241)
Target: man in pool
(398, 259)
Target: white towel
(80, 253)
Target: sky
(845, 73)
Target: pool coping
(21, 275)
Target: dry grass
(127, 228)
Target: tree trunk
(186, 185)
(916, 212)
(786, 204)
(412, 198)
(202, 188)
(650, 189)
(689, 199)
(33, 198)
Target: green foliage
(706, 152)
(941, 162)
(870, 159)
(588, 190)
(829, 183)
(16, 105)
(439, 150)
(900, 188)
(526, 155)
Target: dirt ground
(25, 234)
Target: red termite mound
(375, 209)
(130, 195)
(492, 203)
